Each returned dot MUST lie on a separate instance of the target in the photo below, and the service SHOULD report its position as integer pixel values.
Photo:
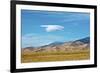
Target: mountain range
(79, 44)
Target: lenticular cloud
(50, 28)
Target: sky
(44, 27)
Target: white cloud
(50, 28)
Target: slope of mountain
(56, 43)
(28, 49)
(84, 40)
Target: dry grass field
(27, 57)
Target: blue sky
(43, 27)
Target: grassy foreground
(27, 57)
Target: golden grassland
(27, 57)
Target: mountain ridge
(62, 46)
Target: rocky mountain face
(80, 44)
